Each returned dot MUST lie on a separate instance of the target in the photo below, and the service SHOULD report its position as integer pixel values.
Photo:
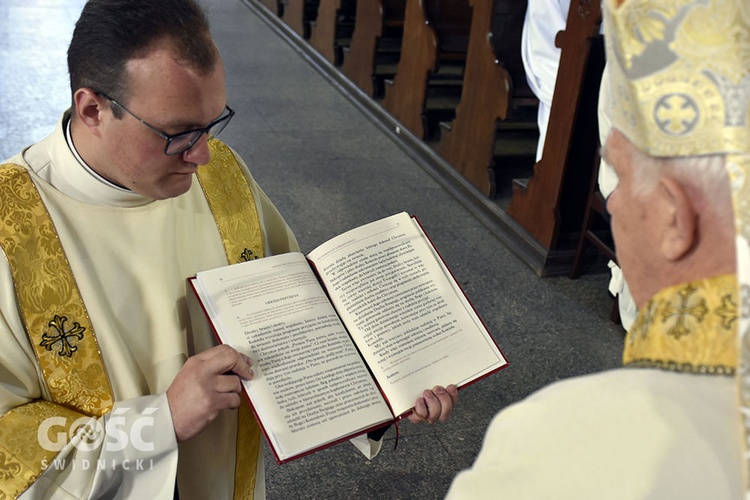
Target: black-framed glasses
(179, 143)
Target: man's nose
(198, 153)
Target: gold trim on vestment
(688, 328)
(246, 457)
(22, 458)
(58, 328)
(232, 204)
(236, 215)
(50, 303)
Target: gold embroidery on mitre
(46, 288)
(22, 456)
(688, 328)
(645, 21)
(680, 74)
(233, 206)
(231, 202)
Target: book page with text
(399, 300)
(313, 387)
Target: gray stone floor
(329, 169)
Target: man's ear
(679, 220)
(89, 109)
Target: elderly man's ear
(678, 219)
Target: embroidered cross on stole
(691, 327)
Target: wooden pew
(550, 207)
(451, 20)
(374, 19)
(298, 14)
(405, 94)
(507, 30)
(488, 90)
(272, 5)
(421, 55)
(517, 136)
(332, 28)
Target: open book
(345, 339)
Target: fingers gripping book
(345, 339)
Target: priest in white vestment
(110, 386)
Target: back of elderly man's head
(679, 87)
(704, 176)
(671, 217)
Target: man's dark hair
(111, 32)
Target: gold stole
(233, 207)
(60, 331)
(690, 328)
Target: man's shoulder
(632, 403)
(15, 160)
(625, 386)
(38, 156)
(12, 168)
(621, 430)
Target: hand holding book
(435, 405)
(348, 337)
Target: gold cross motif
(727, 311)
(644, 321)
(684, 311)
(247, 255)
(62, 336)
(676, 114)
